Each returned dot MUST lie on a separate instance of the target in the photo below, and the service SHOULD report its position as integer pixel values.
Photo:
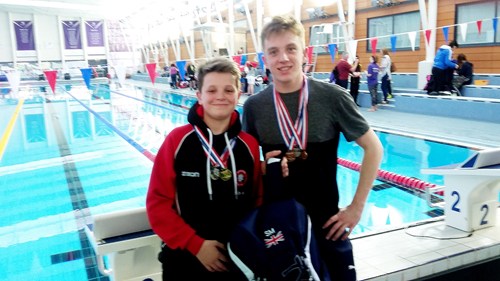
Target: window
(330, 33)
(399, 25)
(470, 14)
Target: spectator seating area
(478, 102)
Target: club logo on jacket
(241, 177)
(273, 237)
(190, 174)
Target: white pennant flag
(14, 78)
(463, 31)
(120, 74)
(353, 47)
(412, 35)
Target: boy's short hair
(220, 65)
(281, 24)
(453, 43)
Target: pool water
(63, 164)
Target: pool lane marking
(10, 126)
(151, 156)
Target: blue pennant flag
(393, 43)
(495, 23)
(332, 48)
(181, 65)
(445, 33)
(243, 59)
(261, 59)
(86, 73)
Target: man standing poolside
(303, 118)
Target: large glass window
(469, 14)
(329, 33)
(399, 25)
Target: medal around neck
(225, 174)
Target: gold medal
(303, 155)
(215, 173)
(225, 174)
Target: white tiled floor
(396, 255)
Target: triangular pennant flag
(151, 68)
(243, 59)
(181, 65)
(412, 35)
(446, 30)
(14, 78)
(495, 24)
(332, 48)
(394, 38)
(353, 48)
(374, 42)
(260, 55)
(463, 31)
(237, 59)
(51, 76)
(309, 53)
(120, 74)
(86, 73)
(428, 33)
(479, 23)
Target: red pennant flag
(428, 33)
(151, 68)
(310, 50)
(479, 24)
(51, 76)
(237, 59)
(374, 42)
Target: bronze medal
(290, 155)
(225, 174)
(303, 155)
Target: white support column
(351, 18)
(83, 36)
(343, 25)
(13, 40)
(298, 10)
(260, 16)
(230, 20)
(61, 41)
(38, 45)
(250, 26)
(428, 17)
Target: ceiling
(103, 9)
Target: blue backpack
(276, 240)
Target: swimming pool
(66, 159)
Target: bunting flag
(309, 53)
(428, 33)
(14, 78)
(181, 65)
(151, 68)
(260, 55)
(120, 73)
(463, 30)
(374, 42)
(51, 76)
(394, 38)
(86, 74)
(495, 23)
(332, 48)
(479, 23)
(243, 59)
(446, 30)
(412, 35)
(237, 59)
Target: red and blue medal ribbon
(215, 159)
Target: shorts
(251, 80)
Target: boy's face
(219, 96)
(285, 54)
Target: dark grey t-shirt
(331, 111)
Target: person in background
(251, 72)
(443, 65)
(301, 119)
(465, 72)
(385, 74)
(345, 69)
(174, 72)
(372, 78)
(191, 74)
(355, 80)
(205, 178)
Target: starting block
(126, 239)
(471, 190)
